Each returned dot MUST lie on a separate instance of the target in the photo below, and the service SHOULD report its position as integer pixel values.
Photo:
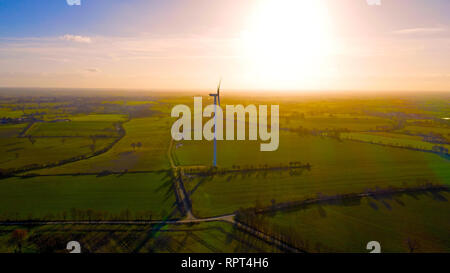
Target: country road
(230, 218)
(179, 186)
(226, 218)
(190, 218)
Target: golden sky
(252, 44)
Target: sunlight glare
(287, 41)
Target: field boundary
(342, 197)
(66, 161)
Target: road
(226, 218)
(188, 219)
(179, 186)
(230, 218)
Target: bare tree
(31, 139)
(18, 237)
(412, 244)
(92, 147)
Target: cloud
(76, 38)
(424, 30)
(93, 70)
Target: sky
(294, 45)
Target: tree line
(75, 214)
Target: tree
(439, 149)
(94, 139)
(89, 213)
(139, 145)
(92, 147)
(412, 244)
(18, 237)
(31, 139)
(134, 146)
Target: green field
(11, 130)
(49, 197)
(10, 113)
(99, 117)
(120, 169)
(73, 129)
(391, 139)
(18, 153)
(329, 123)
(392, 221)
(152, 133)
(337, 167)
(196, 238)
(444, 131)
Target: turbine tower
(216, 100)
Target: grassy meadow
(19, 153)
(54, 197)
(209, 237)
(108, 158)
(337, 167)
(154, 135)
(399, 223)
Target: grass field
(444, 131)
(134, 180)
(196, 238)
(11, 130)
(154, 135)
(324, 123)
(337, 167)
(100, 117)
(349, 227)
(48, 197)
(73, 129)
(20, 152)
(9, 113)
(399, 140)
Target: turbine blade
(218, 90)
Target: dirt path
(189, 218)
(226, 218)
(230, 218)
(179, 185)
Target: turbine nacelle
(217, 95)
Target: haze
(257, 45)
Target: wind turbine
(216, 100)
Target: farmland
(54, 197)
(398, 223)
(153, 134)
(365, 165)
(198, 238)
(363, 123)
(396, 140)
(111, 158)
(18, 153)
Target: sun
(287, 42)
